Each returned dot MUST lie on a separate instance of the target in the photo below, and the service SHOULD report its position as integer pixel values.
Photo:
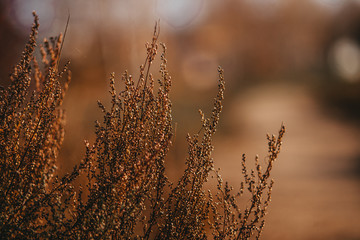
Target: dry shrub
(127, 194)
(31, 133)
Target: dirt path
(317, 185)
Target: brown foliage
(127, 194)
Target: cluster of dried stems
(127, 194)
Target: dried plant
(127, 194)
(229, 220)
(31, 132)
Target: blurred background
(296, 62)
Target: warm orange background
(296, 62)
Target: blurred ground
(316, 193)
(296, 62)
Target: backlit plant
(127, 194)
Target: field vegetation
(127, 194)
